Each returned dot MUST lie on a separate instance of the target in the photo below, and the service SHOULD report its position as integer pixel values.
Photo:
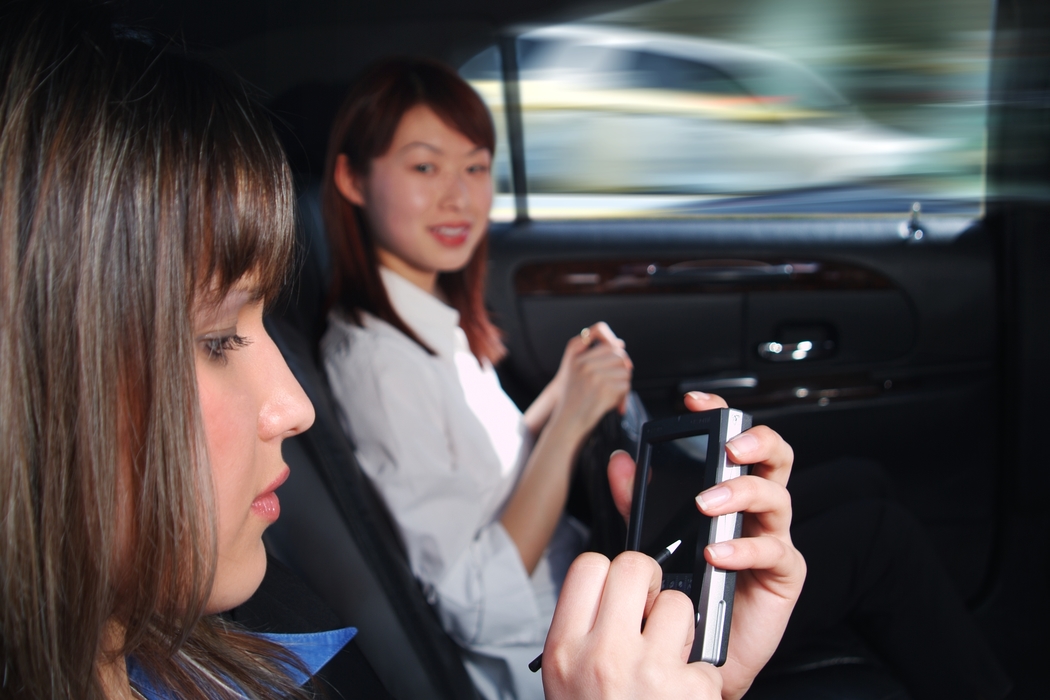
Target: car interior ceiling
(969, 419)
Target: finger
(699, 401)
(770, 456)
(769, 554)
(706, 679)
(603, 350)
(671, 624)
(592, 379)
(603, 354)
(581, 596)
(601, 335)
(767, 501)
(605, 334)
(623, 607)
(577, 344)
(621, 472)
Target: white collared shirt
(445, 446)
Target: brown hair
(133, 183)
(363, 130)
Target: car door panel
(906, 334)
(711, 326)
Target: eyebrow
(435, 149)
(237, 297)
(242, 294)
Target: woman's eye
(478, 168)
(425, 167)
(219, 347)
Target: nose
(457, 194)
(286, 410)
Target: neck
(425, 280)
(112, 670)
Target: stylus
(668, 551)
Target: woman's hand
(594, 377)
(597, 649)
(771, 570)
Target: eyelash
(218, 349)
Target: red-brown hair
(363, 131)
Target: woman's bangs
(246, 224)
(459, 106)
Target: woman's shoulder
(371, 341)
(374, 358)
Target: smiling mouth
(451, 235)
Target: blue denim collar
(314, 649)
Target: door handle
(728, 271)
(774, 351)
(716, 384)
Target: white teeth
(449, 231)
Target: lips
(452, 234)
(266, 505)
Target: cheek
(482, 195)
(229, 432)
(222, 430)
(396, 209)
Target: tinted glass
(485, 72)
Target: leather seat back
(335, 531)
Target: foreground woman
(145, 218)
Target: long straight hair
(363, 131)
(135, 184)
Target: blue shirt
(314, 649)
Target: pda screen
(676, 476)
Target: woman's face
(427, 199)
(250, 402)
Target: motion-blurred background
(684, 108)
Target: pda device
(679, 457)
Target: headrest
(302, 304)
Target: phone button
(714, 644)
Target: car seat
(336, 533)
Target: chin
(236, 580)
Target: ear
(347, 182)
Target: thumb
(621, 481)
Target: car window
(486, 71)
(688, 108)
(657, 71)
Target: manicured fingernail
(721, 550)
(618, 452)
(712, 497)
(698, 396)
(742, 445)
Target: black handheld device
(679, 457)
